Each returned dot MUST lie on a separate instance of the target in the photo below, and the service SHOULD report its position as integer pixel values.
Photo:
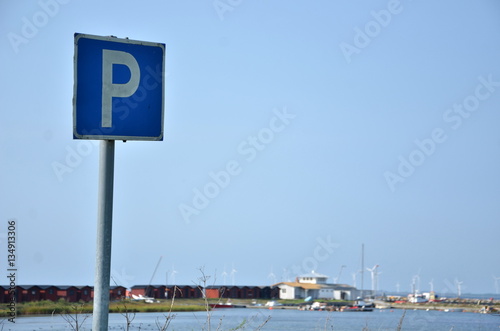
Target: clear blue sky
(342, 123)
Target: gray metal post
(104, 227)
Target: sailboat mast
(362, 269)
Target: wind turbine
(416, 282)
(172, 275)
(431, 283)
(373, 272)
(233, 272)
(354, 274)
(397, 287)
(459, 287)
(272, 276)
(497, 288)
(336, 279)
(286, 275)
(224, 275)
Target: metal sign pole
(104, 227)
(94, 90)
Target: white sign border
(77, 37)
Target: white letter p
(110, 90)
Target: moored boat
(360, 305)
(226, 305)
(358, 308)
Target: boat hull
(221, 305)
(357, 309)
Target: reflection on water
(281, 320)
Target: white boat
(272, 304)
(318, 305)
(417, 298)
(140, 297)
(360, 305)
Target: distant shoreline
(190, 305)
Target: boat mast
(362, 269)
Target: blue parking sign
(119, 89)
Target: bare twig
(202, 286)
(240, 326)
(129, 316)
(165, 325)
(327, 322)
(400, 324)
(72, 318)
(169, 317)
(219, 326)
(261, 325)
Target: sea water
(278, 319)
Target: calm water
(284, 320)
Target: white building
(312, 278)
(315, 285)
